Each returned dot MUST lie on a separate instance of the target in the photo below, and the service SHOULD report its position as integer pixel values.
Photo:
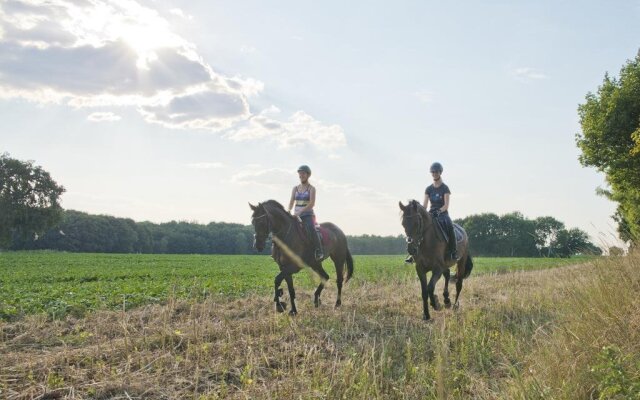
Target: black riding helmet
(436, 167)
(305, 168)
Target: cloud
(300, 128)
(206, 165)
(248, 49)
(114, 53)
(180, 13)
(103, 116)
(424, 96)
(252, 175)
(119, 53)
(526, 73)
(256, 175)
(371, 195)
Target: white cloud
(206, 165)
(180, 13)
(256, 175)
(369, 194)
(106, 53)
(114, 53)
(299, 129)
(247, 49)
(424, 96)
(103, 116)
(526, 73)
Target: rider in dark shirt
(438, 195)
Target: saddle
(324, 232)
(442, 230)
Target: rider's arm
(446, 203)
(293, 199)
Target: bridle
(410, 239)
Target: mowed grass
(564, 333)
(59, 284)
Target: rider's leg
(451, 245)
(310, 226)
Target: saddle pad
(326, 236)
(459, 232)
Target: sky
(189, 110)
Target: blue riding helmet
(304, 168)
(436, 167)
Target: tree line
(510, 235)
(513, 235)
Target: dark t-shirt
(436, 196)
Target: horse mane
(272, 205)
(423, 211)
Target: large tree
(29, 199)
(610, 142)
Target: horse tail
(468, 266)
(349, 266)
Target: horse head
(412, 220)
(261, 225)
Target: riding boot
(412, 252)
(451, 244)
(318, 242)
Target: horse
(292, 250)
(430, 245)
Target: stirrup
(409, 260)
(454, 255)
(319, 255)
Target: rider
(304, 198)
(438, 194)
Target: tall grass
(565, 333)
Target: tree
(546, 231)
(29, 199)
(610, 142)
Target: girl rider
(304, 198)
(438, 194)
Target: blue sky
(166, 110)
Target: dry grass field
(565, 333)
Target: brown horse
(293, 251)
(429, 243)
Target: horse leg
(447, 275)
(316, 295)
(422, 275)
(431, 289)
(280, 306)
(461, 270)
(292, 294)
(339, 263)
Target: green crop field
(59, 284)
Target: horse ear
(253, 207)
(402, 207)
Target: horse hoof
(436, 306)
(280, 307)
(338, 303)
(425, 317)
(317, 303)
(293, 313)
(447, 303)
(456, 306)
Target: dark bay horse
(293, 251)
(421, 230)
